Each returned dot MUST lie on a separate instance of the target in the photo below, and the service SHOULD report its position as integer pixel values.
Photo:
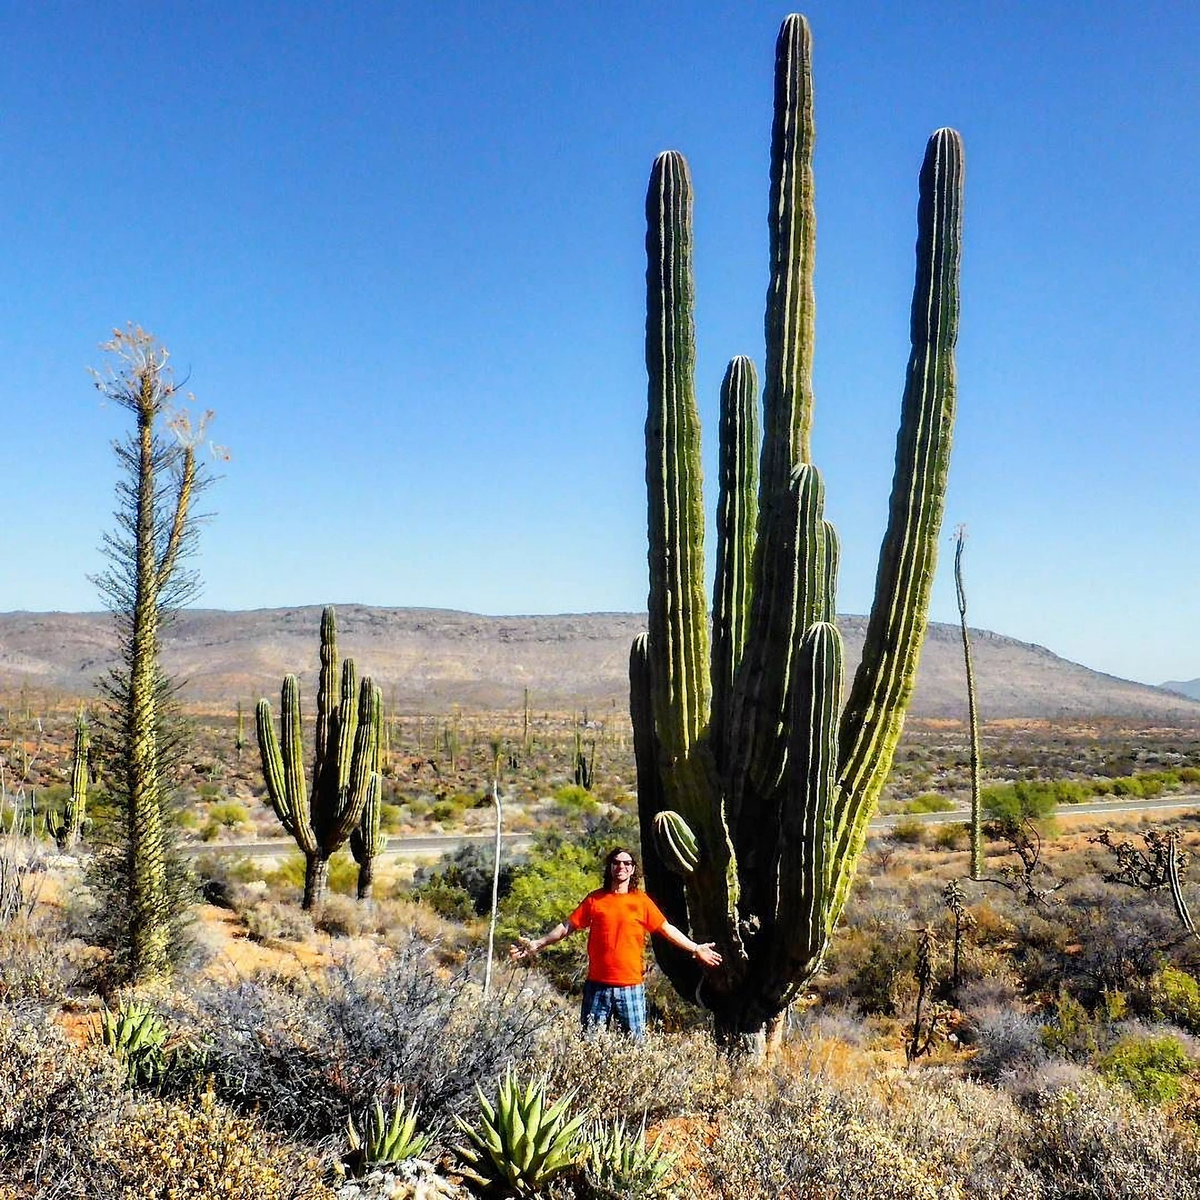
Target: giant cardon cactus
(345, 778)
(755, 782)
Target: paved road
(435, 845)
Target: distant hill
(1187, 687)
(433, 658)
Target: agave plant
(520, 1143)
(383, 1140)
(136, 1037)
(620, 1163)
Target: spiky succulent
(385, 1139)
(620, 1162)
(136, 1036)
(521, 1142)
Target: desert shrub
(1151, 1066)
(1088, 1143)
(195, 1152)
(1189, 774)
(808, 1139)
(341, 916)
(465, 873)
(662, 1076)
(929, 802)
(228, 814)
(51, 1094)
(306, 1051)
(1007, 1041)
(1030, 799)
(445, 899)
(1128, 786)
(267, 920)
(908, 831)
(36, 959)
(1175, 997)
(953, 835)
(391, 817)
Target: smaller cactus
(345, 778)
(585, 765)
(675, 842)
(70, 831)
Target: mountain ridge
(434, 658)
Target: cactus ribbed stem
(879, 696)
(960, 538)
(737, 518)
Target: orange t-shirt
(617, 924)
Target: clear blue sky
(399, 248)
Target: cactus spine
(345, 778)
(746, 745)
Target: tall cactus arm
(368, 841)
(353, 797)
(737, 516)
(833, 555)
(283, 768)
(788, 399)
(327, 693)
(678, 614)
(874, 713)
(346, 727)
(800, 930)
(790, 597)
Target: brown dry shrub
(195, 1152)
(662, 1076)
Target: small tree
(143, 586)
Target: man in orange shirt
(617, 918)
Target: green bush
(391, 817)
(229, 814)
(1127, 785)
(1152, 1066)
(951, 836)
(928, 803)
(1017, 801)
(1175, 997)
(1189, 774)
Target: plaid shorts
(604, 1004)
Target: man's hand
(522, 949)
(706, 954)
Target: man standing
(617, 918)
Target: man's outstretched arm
(703, 952)
(525, 947)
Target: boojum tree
(755, 782)
(144, 584)
(346, 783)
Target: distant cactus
(345, 781)
(239, 742)
(585, 764)
(747, 743)
(72, 827)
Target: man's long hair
(635, 879)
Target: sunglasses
(622, 862)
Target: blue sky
(399, 249)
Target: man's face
(622, 868)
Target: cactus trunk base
(366, 879)
(316, 880)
